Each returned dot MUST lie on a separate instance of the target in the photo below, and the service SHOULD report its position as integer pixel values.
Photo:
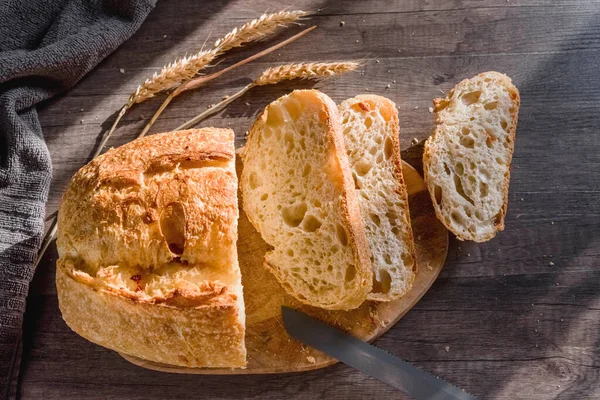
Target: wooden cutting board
(270, 348)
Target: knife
(369, 359)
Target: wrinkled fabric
(46, 46)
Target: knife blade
(369, 359)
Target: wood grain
(511, 331)
(270, 349)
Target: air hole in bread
(489, 140)
(386, 111)
(491, 105)
(334, 249)
(290, 252)
(396, 230)
(383, 284)
(288, 139)
(503, 124)
(460, 190)
(253, 181)
(446, 169)
(441, 105)
(465, 130)
(387, 258)
(368, 122)
(362, 167)
(375, 219)
(172, 227)
(378, 139)
(357, 183)
(407, 260)
(311, 223)
(483, 189)
(294, 109)
(388, 148)
(437, 193)
(456, 217)
(317, 203)
(306, 170)
(264, 196)
(472, 165)
(467, 141)
(471, 97)
(379, 158)
(460, 168)
(500, 161)
(274, 117)
(341, 234)
(373, 150)
(392, 217)
(350, 273)
(302, 143)
(364, 195)
(293, 215)
(478, 215)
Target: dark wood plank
(512, 318)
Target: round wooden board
(270, 348)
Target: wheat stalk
(199, 81)
(274, 75)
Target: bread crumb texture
(467, 160)
(297, 191)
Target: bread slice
(297, 191)
(147, 251)
(371, 133)
(467, 160)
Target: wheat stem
(275, 75)
(216, 108)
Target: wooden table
(517, 317)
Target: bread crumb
(165, 36)
(447, 348)
(342, 23)
(413, 142)
(557, 284)
(468, 254)
(521, 199)
(430, 109)
(551, 222)
(357, 40)
(81, 122)
(561, 320)
(416, 107)
(247, 104)
(388, 86)
(551, 264)
(122, 70)
(81, 110)
(225, 97)
(210, 106)
(394, 81)
(377, 61)
(420, 236)
(311, 359)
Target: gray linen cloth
(46, 46)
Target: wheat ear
(184, 69)
(197, 82)
(275, 75)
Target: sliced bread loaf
(371, 129)
(467, 160)
(298, 193)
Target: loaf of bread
(371, 133)
(147, 251)
(467, 160)
(297, 191)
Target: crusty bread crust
(147, 259)
(349, 209)
(440, 105)
(405, 235)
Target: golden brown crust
(429, 149)
(147, 236)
